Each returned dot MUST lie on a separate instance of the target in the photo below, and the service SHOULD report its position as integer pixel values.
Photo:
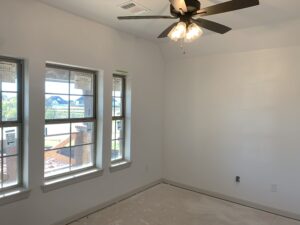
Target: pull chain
(182, 47)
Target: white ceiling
(106, 12)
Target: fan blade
(227, 7)
(210, 25)
(179, 5)
(144, 17)
(165, 33)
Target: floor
(168, 205)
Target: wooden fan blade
(210, 25)
(179, 5)
(144, 17)
(227, 7)
(165, 33)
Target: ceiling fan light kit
(178, 32)
(194, 32)
(185, 32)
(190, 13)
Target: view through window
(118, 119)
(70, 126)
(10, 123)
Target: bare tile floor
(168, 205)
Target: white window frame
(125, 161)
(18, 123)
(59, 178)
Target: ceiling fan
(190, 13)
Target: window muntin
(70, 126)
(10, 123)
(118, 118)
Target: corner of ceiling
(267, 36)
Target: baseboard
(235, 200)
(108, 203)
(183, 186)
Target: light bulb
(193, 32)
(178, 32)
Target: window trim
(70, 179)
(123, 118)
(92, 119)
(18, 123)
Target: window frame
(18, 123)
(69, 120)
(122, 118)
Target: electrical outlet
(274, 187)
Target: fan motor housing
(192, 6)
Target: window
(70, 120)
(118, 119)
(10, 123)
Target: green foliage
(9, 109)
(62, 113)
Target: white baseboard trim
(183, 186)
(235, 200)
(108, 203)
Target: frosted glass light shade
(178, 32)
(193, 33)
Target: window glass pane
(119, 129)
(10, 171)
(116, 152)
(81, 83)
(113, 130)
(8, 76)
(9, 106)
(117, 87)
(57, 141)
(117, 106)
(0, 173)
(82, 156)
(70, 96)
(57, 161)
(9, 136)
(57, 81)
(81, 106)
(55, 129)
(57, 136)
(56, 106)
(82, 133)
(10, 141)
(0, 148)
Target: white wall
(39, 33)
(268, 35)
(224, 114)
(236, 114)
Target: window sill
(119, 166)
(61, 182)
(13, 195)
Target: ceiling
(106, 12)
